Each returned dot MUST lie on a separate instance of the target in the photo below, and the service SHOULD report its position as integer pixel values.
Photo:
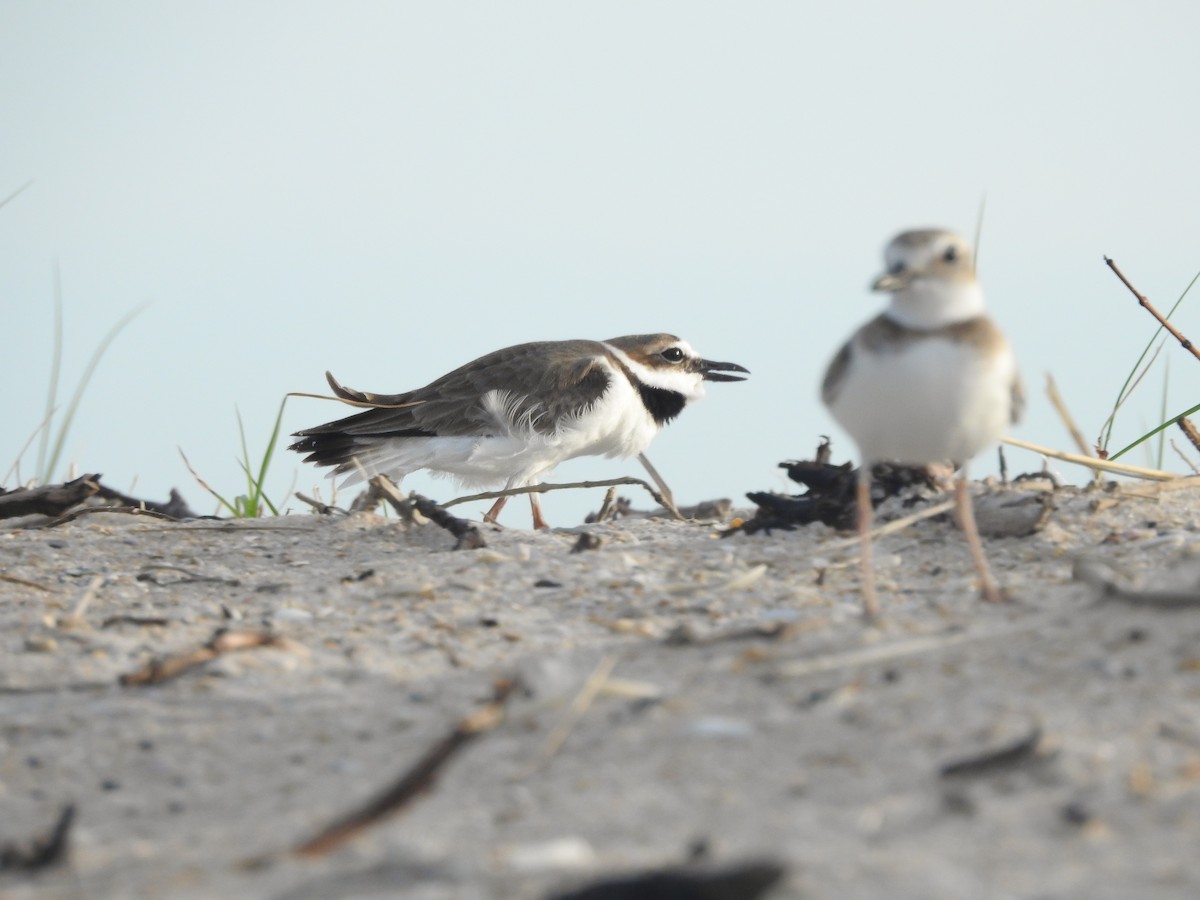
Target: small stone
(41, 644)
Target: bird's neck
(930, 305)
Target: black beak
(714, 371)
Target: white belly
(935, 400)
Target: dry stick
(159, 670)
(31, 584)
(1179, 452)
(1146, 305)
(606, 508)
(1099, 465)
(1063, 413)
(89, 593)
(668, 500)
(893, 526)
(417, 779)
(577, 710)
(546, 488)
(1023, 750)
(887, 652)
(318, 506)
(116, 510)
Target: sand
(747, 713)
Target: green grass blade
(270, 453)
(252, 490)
(1153, 432)
(255, 498)
(65, 426)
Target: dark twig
(1175, 333)
(1189, 429)
(141, 621)
(416, 780)
(118, 510)
(41, 852)
(1021, 751)
(318, 506)
(159, 670)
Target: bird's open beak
(715, 371)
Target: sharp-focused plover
(930, 379)
(511, 416)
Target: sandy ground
(748, 713)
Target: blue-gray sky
(388, 190)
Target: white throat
(931, 303)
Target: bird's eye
(896, 268)
(672, 354)
(951, 254)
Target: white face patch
(665, 375)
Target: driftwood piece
(467, 535)
(830, 493)
(56, 500)
(48, 499)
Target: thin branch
(1175, 333)
(893, 526)
(668, 500)
(1187, 461)
(544, 488)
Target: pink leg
(493, 514)
(866, 515)
(966, 521)
(535, 504)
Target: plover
(511, 416)
(930, 379)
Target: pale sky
(388, 190)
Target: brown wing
(565, 374)
(835, 374)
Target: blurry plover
(930, 379)
(511, 416)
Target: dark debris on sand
(829, 496)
